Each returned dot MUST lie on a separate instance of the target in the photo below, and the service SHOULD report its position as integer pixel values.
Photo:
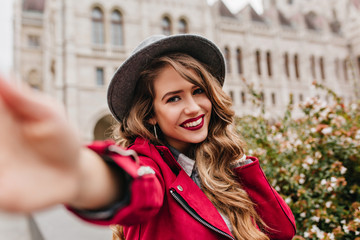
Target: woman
(184, 174)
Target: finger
(23, 101)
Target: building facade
(70, 49)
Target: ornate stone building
(70, 49)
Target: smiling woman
(178, 166)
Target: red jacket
(169, 205)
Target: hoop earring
(156, 136)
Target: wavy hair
(214, 156)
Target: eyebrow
(176, 92)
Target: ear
(152, 121)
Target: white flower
(328, 204)
(288, 200)
(343, 170)
(343, 221)
(323, 182)
(357, 233)
(346, 229)
(305, 166)
(309, 160)
(306, 234)
(315, 218)
(333, 179)
(327, 130)
(327, 220)
(303, 214)
(277, 188)
(318, 154)
(331, 236)
(313, 130)
(301, 181)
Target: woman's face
(181, 109)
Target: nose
(191, 106)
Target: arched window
(312, 66)
(98, 32)
(258, 62)
(269, 64)
(286, 64)
(117, 31)
(183, 26)
(239, 61)
(228, 59)
(34, 80)
(166, 26)
(322, 68)
(102, 130)
(296, 63)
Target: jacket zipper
(195, 215)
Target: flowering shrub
(314, 163)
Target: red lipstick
(194, 128)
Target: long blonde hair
(214, 156)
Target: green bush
(314, 162)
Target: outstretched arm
(42, 162)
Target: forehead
(169, 79)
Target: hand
(39, 151)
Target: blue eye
(198, 91)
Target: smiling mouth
(194, 124)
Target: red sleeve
(270, 206)
(146, 188)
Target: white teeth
(193, 124)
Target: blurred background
(275, 51)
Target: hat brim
(123, 83)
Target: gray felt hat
(122, 85)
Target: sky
(6, 36)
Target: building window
(301, 97)
(291, 98)
(262, 97)
(98, 26)
(258, 62)
(231, 95)
(183, 26)
(117, 28)
(337, 68)
(239, 61)
(33, 41)
(346, 76)
(228, 59)
(273, 99)
(243, 98)
(100, 76)
(166, 26)
(269, 64)
(286, 64)
(322, 68)
(358, 62)
(296, 63)
(312, 66)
